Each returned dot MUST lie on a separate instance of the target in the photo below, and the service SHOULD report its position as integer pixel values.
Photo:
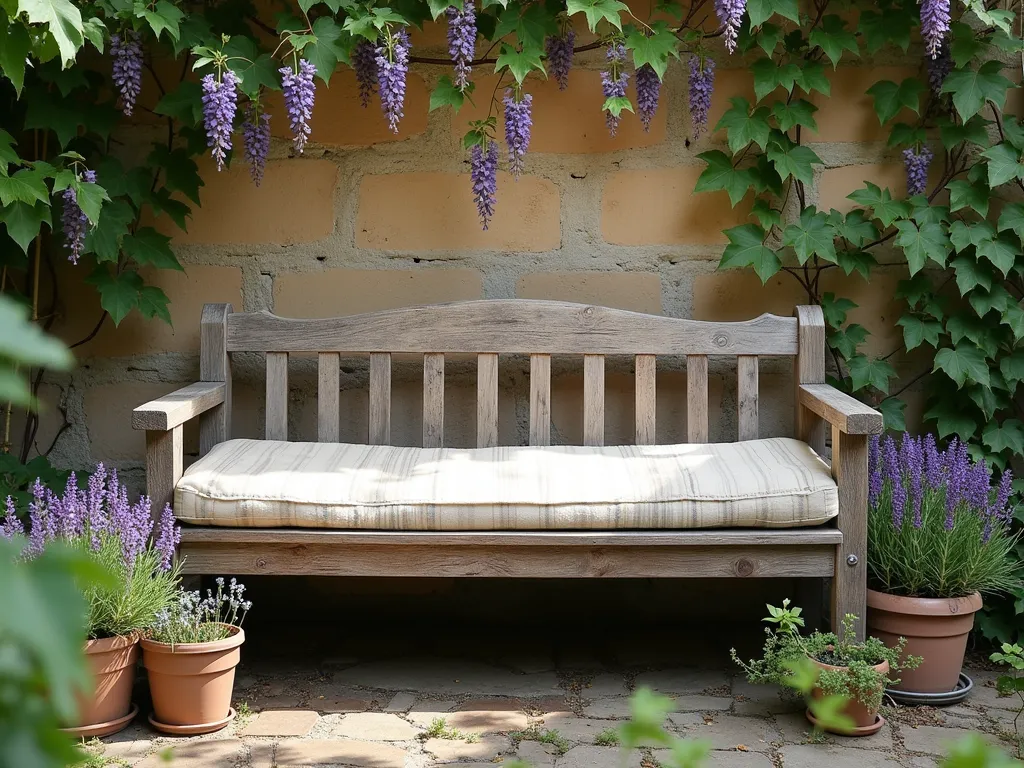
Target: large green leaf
(762, 10)
(149, 248)
(793, 160)
(970, 274)
(880, 200)
(119, 292)
(962, 363)
(1001, 251)
(890, 26)
(104, 239)
(768, 75)
(14, 48)
(963, 235)
(23, 221)
(1011, 218)
(653, 49)
(1003, 164)
(64, 21)
(846, 340)
(325, 52)
(596, 10)
(1007, 435)
(813, 236)
(964, 194)
(892, 414)
(1012, 366)
(793, 113)
(520, 62)
(951, 418)
(721, 175)
(833, 38)
(26, 342)
(153, 303)
(163, 17)
(972, 132)
(920, 243)
(26, 186)
(835, 309)
(743, 126)
(890, 98)
(446, 94)
(747, 249)
(865, 372)
(918, 329)
(972, 89)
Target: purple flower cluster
(483, 174)
(939, 67)
(916, 165)
(648, 89)
(364, 62)
(559, 50)
(256, 139)
(702, 85)
(101, 510)
(73, 221)
(518, 122)
(299, 93)
(917, 469)
(730, 15)
(462, 41)
(392, 69)
(126, 52)
(220, 100)
(934, 25)
(614, 81)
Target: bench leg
(164, 458)
(850, 583)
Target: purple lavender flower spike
(483, 173)
(168, 538)
(11, 525)
(939, 68)
(899, 503)
(932, 463)
(518, 121)
(1001, 506)
(916, 165)
(256, 140)
(74, 222)
(614, 81)
(559, 51)
(976, 488)
(730, 15)
(702, 85)
(126, 52)
(934, 25)
(462, 41)
(392, 69)
(364, 62)
(912, 459)
(648, 91)
(299, 93)
(220, 100)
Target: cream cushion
(774, 483)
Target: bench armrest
(175, 409)
(840, 410)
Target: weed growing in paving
(549, 736)
(609, 737)
(439, 729)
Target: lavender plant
(702, 84)
(937, 527)
(299, 92)
(934, 25)
(559, 50)
(392, 69)
(364, 62)
(613, 84)
(74, 222)
(120, 536)
(730, 16)
(191, 618)
(256, 139)
(126, 52)
(916, 163)
(220, 100)
(648, 90)
(483, 174)
(461, 42)
(518, 121)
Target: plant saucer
(865, 730)
(192, 730)
(103, 729)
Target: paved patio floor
(389, 710)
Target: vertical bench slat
(697, 398)
(809, 368)
(380, 398)
(328, 416)
(433, 400)
(486, 400)
(746, 396)
(540, 399)
(277, 396)
(593, 399)
(214, 365)
(646, 383)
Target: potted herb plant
(191, 654)
(859, 672)
(119, 537)
(938, 540)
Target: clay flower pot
(191, 683)
(107, 707)
(866, 721)
(936, 630)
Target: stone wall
(366, 220)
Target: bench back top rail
(487, 329)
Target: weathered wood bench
(539, 329)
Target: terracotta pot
(191, 683)
(106, 706)
(936, 630)
(863, 718)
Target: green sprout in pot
(195, 619)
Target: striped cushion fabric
(774, 483)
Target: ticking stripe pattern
(773, 483)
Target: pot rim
(214, 646)
(925, 606)
(882, 666)
(115, 643)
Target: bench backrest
(488, 329)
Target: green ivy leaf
(768, 217)
(846, 341)
(184, 104)
(119, 293)
(1011, 218)
(901, 135)
(970, 274)
(26, 186)
(654, 49)
(1007, 435)
(24, 221)
(181, 174)
(1013, 317)
(885, 209)
(972, 132)
(964, 194)
(162, 202)
(964, 44)
(920, 243)
(892, 414)
(874, 373)
(811, 77)
(858, 229)
(14, 48)
(963, 325)
(768, 76)
(64, 21)
(856, 261)
(153, 303)
(1001, 251)
(833, 38)
(721, 175)
(951, 419)
(963, 236)
(616, 104)
(747, 249)
(918, 329)
(835, 310)
(104, 240)
(446, 94)
(1003, 164)
(1012, 366)
(813, 236)
(149, 248)
(891, 25)
(90, 199)
(996, 298)
(522, 62)
(327, 50)
(596, 10)
(914, 290)
(762, 10)
(793, 160)
(743, 126)
(891, 98)
(972, 89)
(796, 112)
(962, 363)
(164, 16)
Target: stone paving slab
(703, 703)
(794, 729)
(606, 684)
(576, 729)
(400, 702)
(934, 740)
(451, 750)
(312, 752)
(537, 755)
(597, 757)
(199, 754)
(616, 708)
(719, 759)
(341, 704)
(487, 721)
(683, 681)
(448, 676)
(732, 732)
(282, 722)
(375, 726)
(819, 755)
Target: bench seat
(770, 483)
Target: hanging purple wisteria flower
(74, 222)
(939, 68)
(462, 41)
(648, 90)
(364, 62)
(518, 122)
(916, 165)
(730, 15)
(701, 87)
(614, 81)
(126, 53)
(299, 94)
(559, 50)
(392, 69)
(220, 100)
(483, 174)
(934, 25)
(256, 140)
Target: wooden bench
(538, 329)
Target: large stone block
(848, 114)
(835, 184)
(638, 291)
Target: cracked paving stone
(333, 704)
(606, 684)
(682, 681)
(451, 750)
(818, 755)
(575, 729)
(282, 722)
(487, 721)
(703, 703)
(400, 702)
(447, 676)
(731, 731)
(536, 754)
(597, 757)
(375, 726)
(199, 754)
(616, 708)
(309, 752)
(794, 729)
(434, 706)
(933, 740)
(719, 759)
